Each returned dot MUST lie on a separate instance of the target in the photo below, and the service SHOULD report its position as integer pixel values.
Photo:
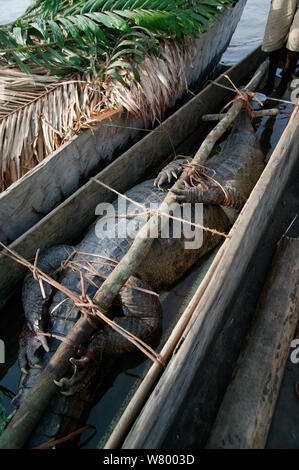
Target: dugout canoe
(217, 287)
(148, 154)
(143, 158)
(176, 413)
(32, 197)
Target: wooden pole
(255, 114)
(119, 432)
(207, 145)
(142, 243)
(245, 415)
(32, 408)
(160, 414)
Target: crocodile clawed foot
(170, 172)
(84, 369)
(29, 343)
(164, 177)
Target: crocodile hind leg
(143, 314)
(170, 171)
(35, 306)
(207, 193)
(212, 194)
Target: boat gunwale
(150, 428)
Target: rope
(95, 310)
(159, 213)
(63, 339)
(279, 100)
(50, 444)
(201, 170)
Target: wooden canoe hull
(42, 189)
(142, 159)
(163, 411)
(211, 301)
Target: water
(12, 9)
(250, 31)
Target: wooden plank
(231, 261)
(246, 412)
(79, 209)
(42, 189)
(34, 195)
(254, 115)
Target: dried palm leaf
(117, 43)
(40, 112)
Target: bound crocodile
(236, 171)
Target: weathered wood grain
(245, 415)
(67, 222)
(42, 189)
(160, 411)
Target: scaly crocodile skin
(237, 169)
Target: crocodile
(235, 171)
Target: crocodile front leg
(143, 315)
(36, 306)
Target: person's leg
(279, 22)
(278, 25)
(274, 58)
(288, 69)
(292, 56)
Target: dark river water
(247, 37)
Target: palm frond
(38, 113)
(65, 39)
(67, 65)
